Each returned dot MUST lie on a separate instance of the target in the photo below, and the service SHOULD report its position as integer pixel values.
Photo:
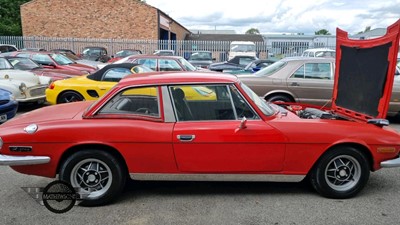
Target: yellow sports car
(93, 86)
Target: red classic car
(21, 63)
(53, 60)
(204, 126)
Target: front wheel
(98, 175)
(70, 96)
(340, 173)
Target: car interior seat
(183, 110)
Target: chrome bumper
(9, 160)
(391, 163)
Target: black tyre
(97, 173)
(279, 98)
(340, 173)
(70, 96)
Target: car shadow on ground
(184, 188)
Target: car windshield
(187, 65)
(125, 53)
(201, 56)
(163, 52)
(4, 64)
(70, 55)
(23, 63)
(261, 103)
(271, 69)
(60, 59)
(91, 51)
(243, 48)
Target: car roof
(95, 47)
(310, 59)
(36, 52)
(319, 49)
(156, 56)
(97, 75)
(159, 78)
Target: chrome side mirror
(243, 123)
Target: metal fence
(181, 48)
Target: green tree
(322, 32)
(252, 31)
(10, 17)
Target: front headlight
(22, 87)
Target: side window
(115, 74)
(140, 101)
(168, 65)
(311, 54)
(151, 63)
(318, 71)
(209, 102)
(242, 108)
(299, 73)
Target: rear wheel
(70, 96)
(98, 174)
(340, 173)
(279, 98)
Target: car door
(208, 136)
(312, 83)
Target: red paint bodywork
(391, 37)
(277, 144)
(57, 74)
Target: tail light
(52, 85)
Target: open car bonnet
(364, 75)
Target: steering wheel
(143, 110)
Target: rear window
(269, 70)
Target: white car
(319, 52)
(24, 85)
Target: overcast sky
(281, 16)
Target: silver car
(304, 80)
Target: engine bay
(308, 111)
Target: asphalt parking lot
(210, 203)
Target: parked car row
(225, 132)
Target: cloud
(282, 16)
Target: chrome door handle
(294, 84)
(186, 138)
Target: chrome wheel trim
(343, 173)
(92, 176)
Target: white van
(245, 48)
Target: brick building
(116, 19)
